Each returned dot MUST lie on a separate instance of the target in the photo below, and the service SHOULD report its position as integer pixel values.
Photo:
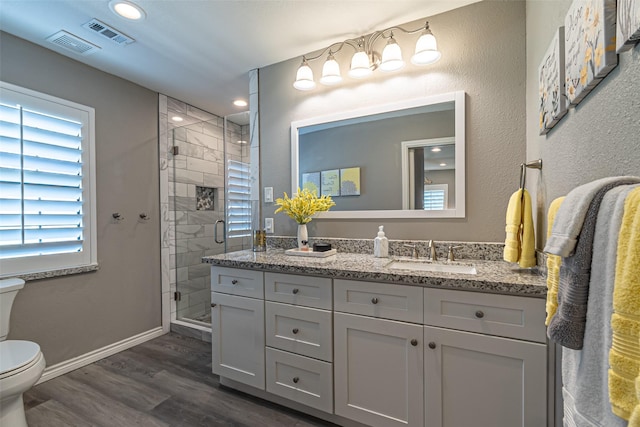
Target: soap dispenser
(381, 244)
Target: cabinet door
(378, 371)
(237, 338)
(485, 381)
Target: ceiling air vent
(108, 32)
(73, 43)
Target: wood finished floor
(163, 382)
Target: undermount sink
(426, 265)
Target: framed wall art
(350, 182)
(311, 182)
(628, 24)
(590, 53)
(553, 100)
(330, 182)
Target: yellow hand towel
(519, 245)
(553, 265)
(624, 356)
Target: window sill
(27, 277)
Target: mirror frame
(457, 97)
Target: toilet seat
(17, 356)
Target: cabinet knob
(414, 342)
(213, 304)
(479, 314)
(295, 330)
(234, 282)
(296, 290)
(432, 345)
(296, 379)
(374, 300)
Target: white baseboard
(78, 362)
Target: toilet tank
(8, 290)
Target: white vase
(303, 237)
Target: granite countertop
(493, 276)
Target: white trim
(62, 368)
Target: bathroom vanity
(355, 342)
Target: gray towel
(567, 326)
(584, 372)
(571, 214)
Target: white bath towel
(570, 216)
(584, 372)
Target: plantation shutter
(435, 197)
(41, 198)
(238, 199)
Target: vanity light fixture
(127, 10)
(365, 59)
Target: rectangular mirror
(399, 160)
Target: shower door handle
(215, 231)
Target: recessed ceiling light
(242, 142)
(436, 149)
(177, 118)
(443, 164)
(240, 103)
(127, 10)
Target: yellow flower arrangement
(303, 205)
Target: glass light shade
(426, 50)
(304, 78)
(391, 56)
(330, 72)
(360, 66)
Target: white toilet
(21, 362)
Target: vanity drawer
(396, 302)
(301, 330)
(301, 379)
(236, 281)
(501, 315)
(299, 290)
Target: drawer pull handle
(479, 314)
(234, 282)
(374, 300)
(295, 330)
(295, 291)
(296, 379)
(414, 342)
(432, 345)
(213, 304)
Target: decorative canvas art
(590, 54)
(628, 25)
(311, 182)
(553, 101)
(330, 183)
(350, 182)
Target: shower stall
(212, 204)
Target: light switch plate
(268, 194)
(268, 225)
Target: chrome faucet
(432, 251)
(414, 252)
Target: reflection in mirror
(428, 174)
(370, 160)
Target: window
(238, 199)
(435, 197)
(47, 187)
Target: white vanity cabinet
(299, 339)
(237, 325)
(378, 361)
(477, 378)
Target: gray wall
(599, 138)
(375, 148)
(483, 48)
(72, 315)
